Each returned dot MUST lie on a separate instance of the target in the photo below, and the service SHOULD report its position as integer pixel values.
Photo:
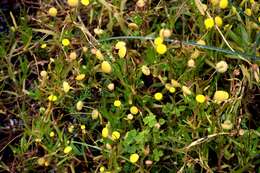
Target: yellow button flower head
(66, 86)
(117, 103)
(106, 67)
(158, 41)
(83, 127)
(120, 44)
(134, 158)
(52, 134)
(94, 114)
(218, 21)
(191, 63)
(172, 90)
(102, 169)
(209, 23)
(221, 66)
(158, 96)
(84, 2)
(248, 12)
(65, 42)
(145, 70)
(79, 105)
(44, 45)
(52, 98)
(67, 149)
(53, 11)
(105, 132)
(200, 98)
(122, 52)
(161, 48)
(115, 135)
(223, 4)
(134, 110)
(220, 96)
(73, 3)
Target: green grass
(178, 133)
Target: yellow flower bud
(43, 46)
(158, 41)
(67, 149)
(52, 98)
(105, 132)
(52, 134)
(248, 12)
(66, 86)
(145, 70)
(79, 105)
(186, 91)
(80, 77)
(111, 86)
(65, 42)
(218, 21)
(120, 44)
(73, 55)
(221, 67)
(94, 114)
(122, 52)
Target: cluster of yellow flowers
(121, 47)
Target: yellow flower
(218, 21)
(158, 41)
(175, 83)
(84, 2)
(117, 103)
(122, 52)
(73, 3)
(105, 132)
(79, 105)
(44, 45)
(83, 127)
(53, 11)
(201, 42)
(106, 67)
(44, 74)
(145, 70)
(73, 55)
(186, 91)
(52, 98)
(134, 158)
(248, 12)
(165, 33)
(227, 125)
(158, 96)
(120, 44)
(71, 128)
(66, 86)
(99, 55)
(172, 90)
(115, 135)
(221, 66)
(41, 161)
(200, 98)
(214, 2)
(223, 4)
(209, 23)
(102, 169)
(65, 42)
(80, 77)
(52, 134)
(67, 149)
(220, 96)
(111, 86)
(134, 110)
(130, 116)
(94, 114)
(161, 48)
(191, 63)
(259, 19)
